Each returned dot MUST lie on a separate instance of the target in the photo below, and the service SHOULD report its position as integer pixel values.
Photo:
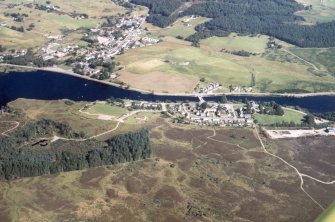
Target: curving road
(301, 175)
(17, 124)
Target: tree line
(247, 17)
(161, 12)
(21, 160)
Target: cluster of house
(236, 88)
(210, 88)
(110, 45)
(186, 21)
(54, 50)
(212, 114)
(146, 105)
(14, 53)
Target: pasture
(322, 58)
(174, 62)
(236, 43)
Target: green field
(328, 215)
(319, 13)
(178, 28)
(289, 115)
(176, 61)
(322, 58)
(107, 109)
(237, 43)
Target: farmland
(195, 173)
(175, 61)
(237, 43)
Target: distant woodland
(20, 159)
(247, 17)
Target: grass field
(328, 215)
(61, 112)
(322, 58)
(237, 43)
(289, 115)
(175, 66)
(107, 109)
(320, 12)
(178, 28)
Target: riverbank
(66, 72)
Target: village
(198, 113)
(210, 114)
(97, 47)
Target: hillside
(273, 18)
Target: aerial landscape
(167, 110)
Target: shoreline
(65, 72)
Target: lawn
(288, 116)
(236, 43)
(107, 109)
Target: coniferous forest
(20, 159)
(270, 17)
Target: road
(305, 61)
(301, 175)
(17, 124)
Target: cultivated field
(165, 67)
(237, 43)
(195, 174)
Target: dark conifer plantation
(17, 159)
(271, 17)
